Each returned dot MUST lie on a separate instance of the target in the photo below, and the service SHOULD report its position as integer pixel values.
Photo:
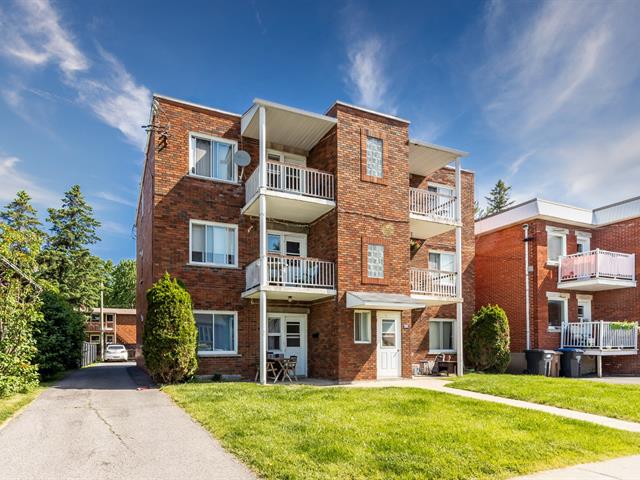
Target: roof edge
(368, 110)
(197, 105)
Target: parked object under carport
(542, 362)
(570, 362)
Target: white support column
(263, 244)
(459, 322)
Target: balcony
(430, 213)
(601, 338)
(292, 278)
(433, 287)
(294, 193)
(597, 270)
(94, 326)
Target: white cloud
(12, 180)
(110, 197)
(33, 35)
(115, 228)
(366, 73)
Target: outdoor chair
(289, 368)
(439, 366)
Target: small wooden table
(449, 363)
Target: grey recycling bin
(539, 361)
(570, 362)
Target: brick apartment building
(119, 326)
(340, 242)
(580, 267)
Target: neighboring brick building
(582, 279)
(358, 237)
(119, 326)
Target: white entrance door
(288, 335)
(388, 344)
(584, 310)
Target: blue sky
(543, 95)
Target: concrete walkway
(97, 424)
(625, 468)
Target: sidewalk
(625, 468)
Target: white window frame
(453, 337)
(443, 252)
(585, 300)
(284, 156)
(279, 334)
(564, 298)
(357, 317)
(92, 336)
(562, 234)
(220, 353)
(583, 238)
(106, 338)
(383, 258)
(211, 138)
(294, 235)
(212, 224)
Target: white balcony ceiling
(596, 284)
(298, 294)
(382, 301)
(423, 227)
(426, 158)
(434, 300)
(287, 125)
(291, 207)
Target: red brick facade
(366, 211)
(500, 279)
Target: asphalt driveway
(97, 423)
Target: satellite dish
(241, 158)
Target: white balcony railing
(599, 335)
(433, 282)
(288, 271)
(437, 206)
(287, 178)
(597, 264)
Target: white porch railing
(599, 336)
(433, 282)
(597, 264)
(288, 271)
(287, 178)
(439, 207)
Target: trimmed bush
(169, 335)
(59, 336)
(487, 340)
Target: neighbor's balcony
(431, 213)
(94, 326)
(295, 193)
(433, 287)
(601, 338)
(597, 270)
(289, 277)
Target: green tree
(478, 212)
(169, 335)
(59, 336)
(120, 289)
(487, 340)
(499, 198)
(66, 260)
(20, 241)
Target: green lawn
(10, 405)
(618, 401)
(292, 432)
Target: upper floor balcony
(431, 212)
(295, 193)
(597, 270)
(95, 326)
(434, 287)
(601, 338)
(292, 278)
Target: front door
(288, 335)
(388, 344)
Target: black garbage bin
(539, 361)
(570, 362)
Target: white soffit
(287, 125)
(426, 158)
(381, 301)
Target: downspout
(527, 315)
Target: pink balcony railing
(597, 264)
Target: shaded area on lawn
(10, 405)
(610, 400)
(308, 432)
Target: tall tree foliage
(499, 198)
(20, 241)
(121, 285)
(66, 260)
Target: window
(362, 327)
(94, 338)
(584, 242)
(274, 326)
(388, 333)
(283, 243)
(374, 157)
(557, 309)
(375, 261)
(217, 332)
(556, 244)
(442, 261)
(584, 308)
(212, 158)
(108, 339)
(441, 335)
(214, 244)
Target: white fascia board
(197, 105)
(368, 110)
(269, 104)
(453, 151)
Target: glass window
(388, 334)
(374, 157)
(273, 334)
(584, 244)
(362, 327)
(442, 262)
(293, 334)
(441, 336)
(213, 159)
(555, 247)
(375, 261)
(213, 244)
(216, 332)
(557, 312)
(273, 243)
